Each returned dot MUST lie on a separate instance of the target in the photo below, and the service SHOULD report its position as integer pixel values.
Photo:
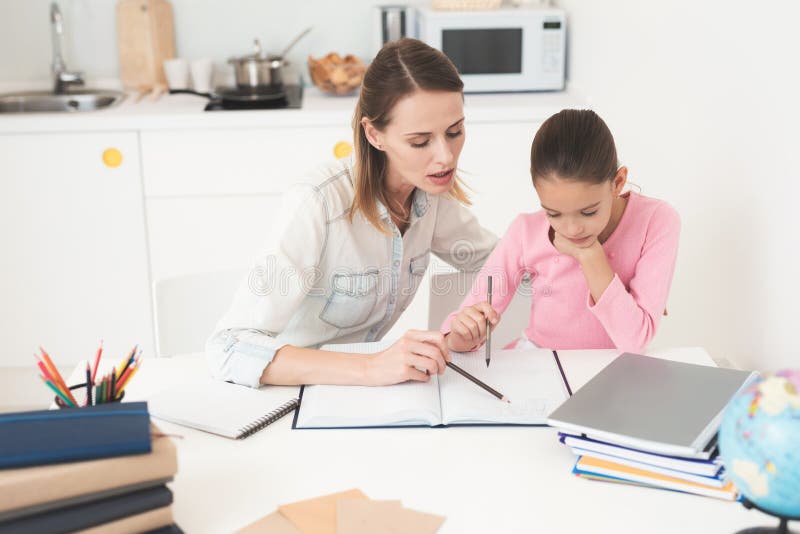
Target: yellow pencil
(127, 379)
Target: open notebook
(221, 408)
(531, 379)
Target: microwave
(501, 50)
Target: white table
(483, 479)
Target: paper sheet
(317, 515)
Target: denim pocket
(419, 264)
(352, 300)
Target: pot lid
(257, 55)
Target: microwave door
(484, 51)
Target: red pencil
(56, 375)
(97, 360)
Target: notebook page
(409, 403)
(218, 407)
(528, 377)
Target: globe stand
(782, 528)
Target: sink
(46, 101)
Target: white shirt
(321, 278)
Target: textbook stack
(651, 422)
(609, 462)
(93, 469)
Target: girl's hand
(417, 349)
(468, 329)
(579, 251)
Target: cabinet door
(236, 161)
(204, 234)
(72, 233)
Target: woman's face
(422, 141)
(578, 210)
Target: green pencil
(58, 392)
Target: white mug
(202, 74)
(177, 72)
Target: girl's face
(422, 141)
(579, 211)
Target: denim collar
(419, 206)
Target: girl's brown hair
(400, 68)
(574, 144)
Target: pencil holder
(61, 404)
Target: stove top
(228, 99)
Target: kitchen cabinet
(211, 193)
(75, 266)
(97, 207)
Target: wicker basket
(335, 74)
(446, 5)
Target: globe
(759, 441)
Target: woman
(349, 248)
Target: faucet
(61, 76)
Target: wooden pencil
(488, 324)
(468, 376)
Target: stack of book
(599, 460)
(90, 469)
(653, 423)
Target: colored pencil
(58, 392)
(113, 387)
(97, 360)
(127, 363)
(88, 384)
(468, 376)
(56, 376)
(128, 378)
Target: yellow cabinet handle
(112, 157)
(342, 149)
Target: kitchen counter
(182, 111)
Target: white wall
(217, 29)
(703, 100)
(701, 96)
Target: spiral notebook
(223, 408)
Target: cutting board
(146, 37)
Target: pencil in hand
(488, 324)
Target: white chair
(449, 289)
(188, 307)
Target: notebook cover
(145, 522)
(53, 436)
(90, 514)
(596, 467)
(705, 467)
(652, 404)
(229, 410)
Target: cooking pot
(260, 70)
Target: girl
(349, 249)
(600, 262)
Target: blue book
(70, 434)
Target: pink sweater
(641, 251)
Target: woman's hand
(417, 349)
(468, 329)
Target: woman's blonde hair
(400, 68)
